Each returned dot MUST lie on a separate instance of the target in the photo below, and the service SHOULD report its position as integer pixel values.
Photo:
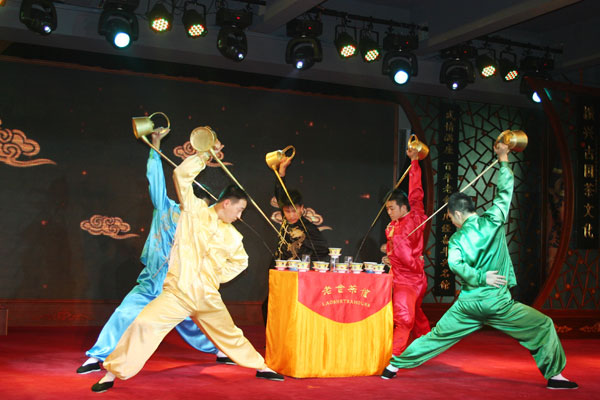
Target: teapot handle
(164, 115)
(288, 148)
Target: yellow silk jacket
(206, 251)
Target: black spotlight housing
(535, 67)
(39, 16)
(304, 49)
(231, 41)
(486, 64)
(457, 71)
(369, 46)
(118, 23)
(457, 74)
(160, 19)
(394, 41)
(399, 61)
(194, 23)
(345, 44)
(507, 66)
(400, 66)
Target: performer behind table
(404, 253)
(478, 255)
(150, 281)
(300, 242)
(208, 251)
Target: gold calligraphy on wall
(186, 150)
(107, 226)
(586, 195)
(14, 144)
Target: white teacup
(303, 266)
(341, 268)
(369, 267)
(378, 268)
(335, 251)
(280, 265)
(321, 266)
(356, 267)
(293, 265)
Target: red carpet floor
(40, 363)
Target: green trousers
(534, 330)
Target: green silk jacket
(480, 246)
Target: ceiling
(571, 26)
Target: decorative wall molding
(61, 313)
(24, 313)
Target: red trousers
(408, 315)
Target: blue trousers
(124, 315)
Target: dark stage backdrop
(89, 164)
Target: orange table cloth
(329, 324)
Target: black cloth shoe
(558, 384)
(272, 376)
(102, 387)
(225, 360)
(86, 369)
(387, 374)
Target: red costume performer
(407, 265)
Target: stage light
(508, 67)
(39, 16)
(304, 49)
(536, 67)
(194, 22)
(369, 46)
(529, 92)
(231, 41)
(345, 44)
(456, 74)
(486, 65)
(160, 19)
(399, 62)
(118, 23)
(400, 66)
(2, 3)
(303, 52)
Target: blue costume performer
(150, 281)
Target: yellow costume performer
(207, 251)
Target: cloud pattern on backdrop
(14, 144)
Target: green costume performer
(479, 257)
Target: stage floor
(40, 363)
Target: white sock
(221, 354)
(266, 370)
(559, 377)
(90, 360)
(109, 377)
(392, 368)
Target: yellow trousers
(161, 315)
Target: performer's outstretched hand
(218, 146)
(501, 150)
(413, 154)
(493, 279)
(285, 162)
(158, 134)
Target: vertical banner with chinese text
(587, 201)
(447, 183)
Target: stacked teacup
(334, 255)
(280, 265)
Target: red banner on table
(344, 297)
